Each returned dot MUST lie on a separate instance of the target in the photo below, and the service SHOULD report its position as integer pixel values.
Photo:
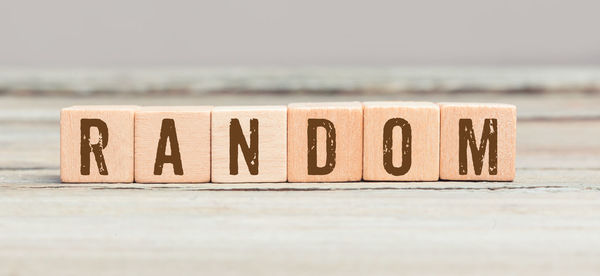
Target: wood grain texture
(544, 223)
(423, 122)
(192, 131)
(455, 228)
(272, 143)
(347, 117)
(506, 128)
(117, 151)
(293, 80)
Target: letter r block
(172, 144)
(96, 143)
(249, 144)
(478, 141)
(401, 141)
(325, 142)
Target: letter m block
(478, 141)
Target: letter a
(167, 132)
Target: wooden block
(325, 142)
(478, 141)
(96, 143)
(249, 144)
(401, 141)
(172, 144)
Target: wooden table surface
(545, 222)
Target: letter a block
(401, 141)
(96, 143)
(478, 141)
(172, 144)
(325, 142)
(249, 144)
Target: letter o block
(325, 142)
(249, 144)
(401, 141)
(172, 144)
(478, 141)
(96, 143)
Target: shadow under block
(172, 144)
(249, 144)
(325, 142)
(401, 141)
(478, 141)
(96, 143)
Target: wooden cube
(401, 141)
(325, 142)
(172, 144)
(249, 144)
(478, 141)
(96, 143)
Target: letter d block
(401, 141)
(96, 143)
(249, 144)
(172, 144)
(325, 142)
(478, 141)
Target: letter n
(236, 138)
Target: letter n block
(478, 141)
(249, 144)
(325, 142)
(172, 144)
(401, 141)
(96, 143)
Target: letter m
(466, 137)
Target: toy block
(96, 143)
(478, 141)
(249, 144)
(172, 144)
(325, 142)
(401, 141)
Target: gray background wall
(298, 32)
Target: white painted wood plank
(546, 222)
(302, 79)
(75, 231)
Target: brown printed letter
(87, 147)
(236, 137)
(167, 132)
(313, 169)
(388, 142)
(466, 135)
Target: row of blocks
(300, 142)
